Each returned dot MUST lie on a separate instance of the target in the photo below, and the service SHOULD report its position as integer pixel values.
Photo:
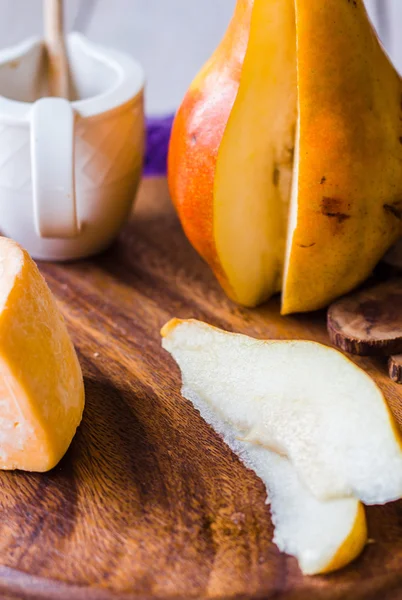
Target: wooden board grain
(149, 503)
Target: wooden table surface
(149, 503)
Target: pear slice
(303, 400)
(322, 535)
(346, 206)
(255, 160)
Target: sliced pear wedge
(255, 160)
(323, 535)
(302, 399)
(346, 207)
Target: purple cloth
(158, 135)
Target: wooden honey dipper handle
(58, 66)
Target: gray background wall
(171, 38)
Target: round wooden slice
(395, 368)
(369, 322)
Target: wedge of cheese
(41, 384)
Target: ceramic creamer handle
(53, 181)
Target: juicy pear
(285, 166)
(301, 399)
(324, 535)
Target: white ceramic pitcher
(69, 171)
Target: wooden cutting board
(149, 503)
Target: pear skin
(346, 208)
(197, 134)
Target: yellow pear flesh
(302, 399)
(255, 159)
(324, 535)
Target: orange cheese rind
(41, 383)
